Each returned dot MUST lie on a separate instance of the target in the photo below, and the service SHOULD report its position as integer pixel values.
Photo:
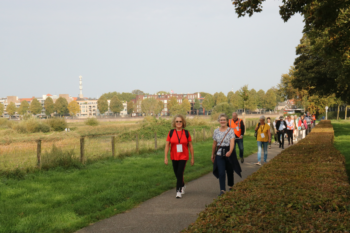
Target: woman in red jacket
(302, 126)
(180, 143)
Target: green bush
(11, 123)
(91, 121)
(59, 158)
(32, 125)
(226, 108)
(45, 128)
(3, 121)
(303, 189)
(20, 128)
(57, 124)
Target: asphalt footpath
(165, 213)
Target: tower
(81, 86)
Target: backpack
(186, 133)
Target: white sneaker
(183, 190)
(178, 195)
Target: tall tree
(224, 108)
(208, 102)
(230, 96)
(163, 93)
(61, 106)
(11, 109)
(102, 104)
(236, 100)
(219, 97)
(2, 108)
(178, 109)
(116, 105)
(150, 106)
(172, 102)
(251, 103)
(260, 99)
(244, 94)
(130, 107)
(197, 105)
(137, 92)
(186, 105)
(204, 94)
(35, 107)
(160, 107)
(73, 108)
(270, 100)
(23, 108)
(49, 106)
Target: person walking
(296, 132)
(272, 129)
(281, 126)
(223, 156)
(290, 129)
(309, 122)
(238, 127)
(314, 119)
(263, 137)
(180, 143)
(275, 136)
(302, 126)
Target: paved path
(165, 213)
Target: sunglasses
(178, 121)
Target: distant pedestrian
(296, 132)
(272, 129)
(274, 125)
(290, 129)
(281, 126)
(223, 156)
(263, 137)
(314, 119)
(180, 143)
(302, 126)
(308, 119)
(238, 127)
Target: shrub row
(34, 125)
(303, 189)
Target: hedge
(303, 189)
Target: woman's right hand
(166, 161)
(212, 158)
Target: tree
(61, 106)
(172, 102)
(116, 105)
(236, 100)
(73, 108)
(2, 108)
(125, 96)
(244, 94)
(219, 97)
(49, 106)
(197, 105)
(204, 94)
(178, 109)
(260, 100)
(224, 108)
(137, 92)
(163, 93)
(208, 102)
(11, 109)
(130, 107)
(23, 108)
(35, 107)
(151, 106)
(186, 105)
(251, 103)
(270, 100)
(102, 104)
(230, 95)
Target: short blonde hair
(173, 123)
(222, 115)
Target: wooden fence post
(82, 149)
(155, 141)
(38, 152)
(113, 146)
(137, 143)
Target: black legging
(290, 135)
(279, 135)
(179, 169)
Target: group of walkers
(226, 137)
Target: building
(88, 108)
(164, 98)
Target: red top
(174, 140)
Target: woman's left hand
(228, 154)
(192, 161)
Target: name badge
(262, 135)
(237, 128)
(179, 148)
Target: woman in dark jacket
(281, 127)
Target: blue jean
(224, 166)
(264, 144)
(240, 146)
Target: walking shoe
(242, 160)
(280, 145)
(269, 147)
(222, 192)
(178, 195)
(258, 163)
(183, 190)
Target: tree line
(60, 107)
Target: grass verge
(342, 139)
(304, 189)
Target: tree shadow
(342, 141)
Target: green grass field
(342, 140)
(65, 200)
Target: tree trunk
(338, 112)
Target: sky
(157, 45)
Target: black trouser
(179, 169)
(290, 135)
(240, 146)
(225, 166)
(279, 134)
